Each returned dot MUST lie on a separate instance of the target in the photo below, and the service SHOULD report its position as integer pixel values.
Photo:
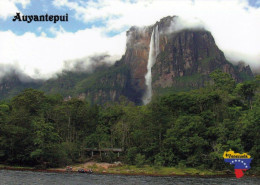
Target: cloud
(234, 24)
(9, 7)
(41, 57)
(90, 63)
(14, 71)
(178, 24)
(55, 31)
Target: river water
(41, 178)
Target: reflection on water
(29, 178)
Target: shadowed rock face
(14, 83)
(136, 56)
(188, 53)
(186, 58)
(137, 53)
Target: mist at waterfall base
(153, 52)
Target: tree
(222, 81)
(45, 139)
(139, 160)
(247, 91)
(30, 100)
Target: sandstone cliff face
(11, 85)
(106, 85)
(186, 58)
(137, 53)
(107, 88)
(186, 54)
(136, 57)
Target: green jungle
(187, 129)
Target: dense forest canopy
(187, 128)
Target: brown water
(41, 178)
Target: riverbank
(122, 169)
(119, 168)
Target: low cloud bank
(234, 24)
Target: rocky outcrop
(14, 83)
(136, 56)
(185, 60)
(106, 85)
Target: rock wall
(186, 58)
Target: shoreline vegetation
(124, 169)
(183, 133)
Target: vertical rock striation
(186, 59)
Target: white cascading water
(154, 51)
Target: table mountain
(184, 61)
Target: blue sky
(254, 3)
(99, 27)
(41, 7)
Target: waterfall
(154, 51)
